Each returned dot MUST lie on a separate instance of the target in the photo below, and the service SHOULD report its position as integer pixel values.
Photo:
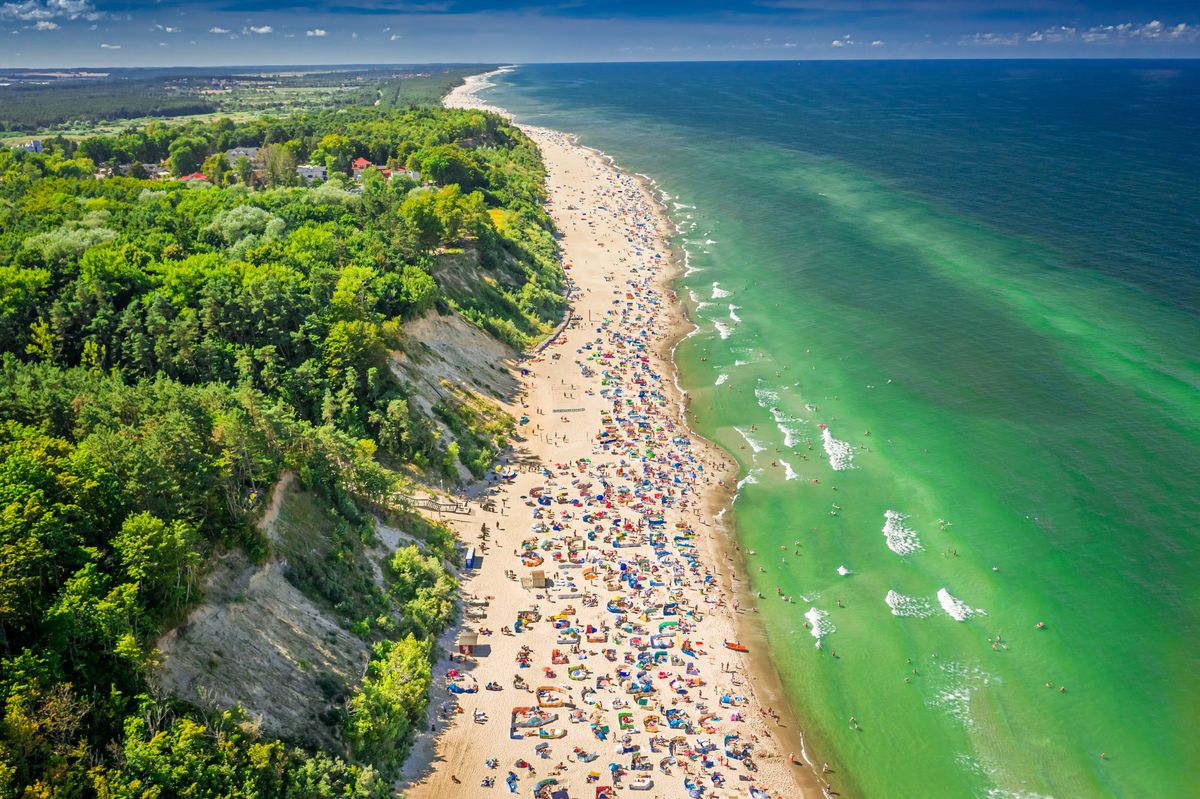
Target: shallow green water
(874, 252)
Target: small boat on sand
(736, 647)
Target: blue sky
(42, 33)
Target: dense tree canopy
(166, 349)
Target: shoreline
(718, 501)
(753, 676)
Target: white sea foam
(915, 606)
(955, 686)
(766, 397)
(901, 539)
(956, 701)
(956, 608)
(754, 445)
(710, 241)
(788, 472)
(721, 378)
(841, 454)
(750, 479)
(722, 329)
(718, 292)
(789, 426)
(1004, 793)
(740, 363)
(974, 764)
(819, 624)
(804, 753)
(789, 433)
(842, 570)
(733, 317)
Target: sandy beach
(602, 601)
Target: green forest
(80, 104)
(167, 351)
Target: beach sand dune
(601, 605)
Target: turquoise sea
(950, 328)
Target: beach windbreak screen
(949, 325)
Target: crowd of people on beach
(621, 660)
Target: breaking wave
(901, 539)
(754, 445)
(956, 608)
(819, 624)
(915, 606)
(841, 454)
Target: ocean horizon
(947, 323)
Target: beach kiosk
(467, 643)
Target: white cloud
(259, 29)
(317, 32)
(1059, 34)
(877, 43)
(991, 39)
(45, 25)
(1183, 30)
(354, 35)
(1154, 30)
(33, 10)
(1151, 30)
(218, 30)
(842, 42)
(395, 37)
(107, 46)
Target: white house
(311, 172)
